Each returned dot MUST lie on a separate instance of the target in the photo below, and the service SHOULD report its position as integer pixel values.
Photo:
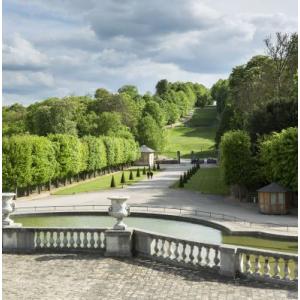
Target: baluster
(78, 240)
(72, 241)
(45, 240)
(58, 240)
(176, 251)
(248, 265)
(51, 239)
(266, 267)
(85, 240)
(169, 250)
(276, 268)
(163, 248)
(156, 248)
(184, 256)
(103, 240)
(191, 255)
(257, 266)
(97, 240)
(199, 256)
(92, 240)
(207, 260)
(295, 270)
(38, 239)
(65, 239)
(216, 258)
(286, 270)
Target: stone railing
(176, 251)
(266, 265)
(54, 239)
(223, 259)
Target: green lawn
(261, 243)
(196, 135)
(207, 181)
(100, 183)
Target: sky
(57, 48)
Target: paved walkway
(80, 277)
(157, 192)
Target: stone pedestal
(118, 243)
(8, 207)
(228, 261)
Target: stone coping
(226, 227)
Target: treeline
(257, 99)
(125, 114)
(31, 162)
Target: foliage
(279, 158)
(112, 183)
(220, 93)
(130, 175)
(123, 181)
(236, 157)
(150, 133)
(13, 120)
(275, 116)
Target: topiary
(138, 172)
(123, 178)
(185, 179)
(158, 166)
(144, 171)
(130, 175)
(181, 183)
(113, 183)
(154, 168)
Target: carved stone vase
(8, 207)
(119, 209)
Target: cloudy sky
(63, 47)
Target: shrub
(113, 183)
(138, 172)
(123, 181)
(130, 175)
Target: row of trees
(124, 114)
(261, 96)
(31, 161)
(258, 113)
(275, 160)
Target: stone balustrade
(226, 260)
(176, 251)
(266, 265)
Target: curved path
(157, 192)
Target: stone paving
(71, 276)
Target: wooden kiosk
(273, 199)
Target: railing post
(228, 261)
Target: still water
(177, 229)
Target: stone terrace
(72, 276)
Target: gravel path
(43, 277)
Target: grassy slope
(207, 181)
(100, 183)
(196, 135)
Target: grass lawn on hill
(196, 135)
(101, 183)
(207, 181)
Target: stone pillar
(228, 263)
(16, 240)
(118, 243)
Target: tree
(153, 109)
(220, 93)
(131, 90)
(130, 175)
(236, 159)
(161, 87)
(102, 93)
(279, 158)
(284, 52)
(150, 133)
(13, 119)
(275, 116)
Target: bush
(123, 181)
(144, 171)
(181, 183)
(130, 175)
(138, 172)
(113, 183)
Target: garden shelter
(147, 156)
(273, 199)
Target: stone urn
(119, 209)
(8, 207)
